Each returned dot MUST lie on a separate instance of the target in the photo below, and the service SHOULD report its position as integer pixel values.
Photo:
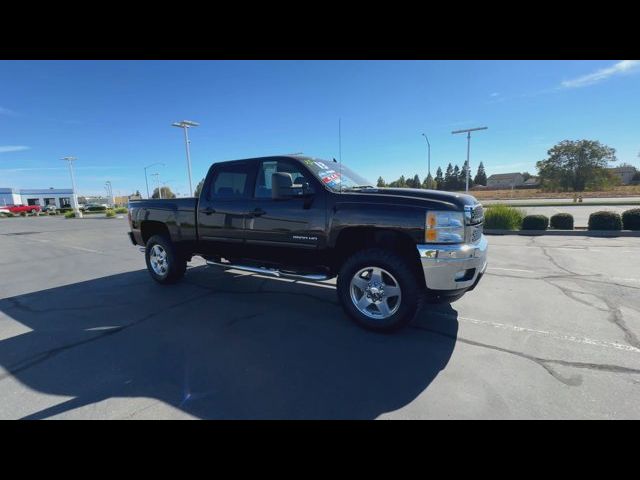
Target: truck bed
(177, 214)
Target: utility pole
(468, 132)
(185, 125)
(145, 175)
(74, 195)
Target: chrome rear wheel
(158, 260)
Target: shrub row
(505, 217)
(535, 222)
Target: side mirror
(282, 186)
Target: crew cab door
(224, 204)
(296, 222)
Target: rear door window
(231, 182)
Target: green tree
(526, 176)
(462, 178)
(199, 188)
(402, 183)
(439, 179)
(448, 183)
(455, 179)
(416, 183)
(575, 164)
(429, 183)
(481, 176)
(381, 182)
(166, 193)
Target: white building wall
(10, 196)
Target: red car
(18, 209)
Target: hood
(457, 199)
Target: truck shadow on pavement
(217, 345)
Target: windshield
(336, 178)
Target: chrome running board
(315, 277)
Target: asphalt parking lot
(552, 331)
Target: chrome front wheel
(375, 292)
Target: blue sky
(115, 116)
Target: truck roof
(270, 157)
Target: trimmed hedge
(70, 214)
(503, 217)
(535, 222)
(631, 219)
(121, 210)
(562, 221)
(110, 214)
(604, 220)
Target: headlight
(444, 227)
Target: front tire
(378, 290)
(164, 264)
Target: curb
(566, 233)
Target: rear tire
(378, 290)
(165, 265)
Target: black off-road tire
(176, 264)
(412, 294)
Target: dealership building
(60, 197)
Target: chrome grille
(477, 214)
(476, 233)
(473, 214)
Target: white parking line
(512, 269)
(557, 336)
(62, 245)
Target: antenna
(340, 149)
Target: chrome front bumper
(453, 267)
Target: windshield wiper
(357, 187)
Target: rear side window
(230, 182)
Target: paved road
(580, 213)
(553, 331)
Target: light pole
(428, 155)
(157, 175)
(145, 175)
(185, 125)
(73, 186)
(468, 132)
(107, 185)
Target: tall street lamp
(428, 155)
(74, 195)
(107, 185)
(145, 175)
(157, 175)
(185, 125)
(468, 132)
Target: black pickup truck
(304, 218)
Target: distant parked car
(4, 210)
(18, 209)
(94, 207)
(49, 208)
